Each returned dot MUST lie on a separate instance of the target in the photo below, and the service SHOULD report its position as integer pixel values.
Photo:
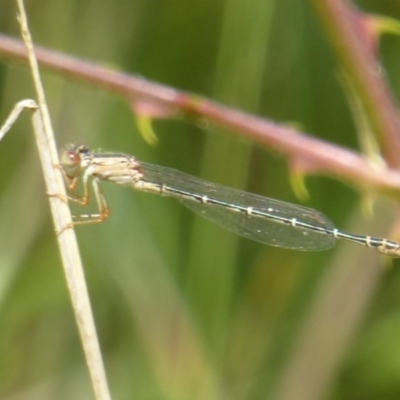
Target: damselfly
(258, 218)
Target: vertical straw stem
(62, 217)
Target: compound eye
(72, 158)
(82, 149)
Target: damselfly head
(71, 157)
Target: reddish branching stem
(355, 46)
(305, 153)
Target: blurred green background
(184, 309)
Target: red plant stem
(356, 49)
(304, 152)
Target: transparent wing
(260, 229)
